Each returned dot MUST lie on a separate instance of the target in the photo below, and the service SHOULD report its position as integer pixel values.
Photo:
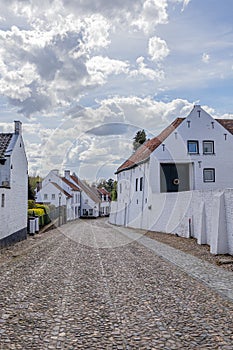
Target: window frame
(53, 196)
(136, 184)
(208, 141)
(3, 200)
(45, 196)
(141, 183)
(197, 144)
(209, 169)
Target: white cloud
(205, 58)
(153, 12)
(144, 71)
(157, 49)
(100, 67)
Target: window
(120, 188)
(3, 200)
(193, 147)
(136, 185)
(53, 196)
(45, 196)
(86, 201)
(208, 147)
(141, 183)
(90, 212)
(209, 175)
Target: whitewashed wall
(205, 215)
(14, 214)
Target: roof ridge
(144, 151)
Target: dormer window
(208, 147)
(193, 147)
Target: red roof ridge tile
(145, 150)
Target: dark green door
(174, 177)
(169, 178)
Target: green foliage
(31, 204)
(33, 181)
(44, 207)
(30, 191)
(114, 191)
(108, 185)
(139, 139)
(36, 211)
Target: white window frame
(208, 142)
(212, 170)
(194, 142)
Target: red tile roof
(227, 124)
(103, 191)
(144, 151)
(70, 184)
(61, 189)
(87, 189)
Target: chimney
(18, 127)
(67, 174)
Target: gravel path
(88, 286)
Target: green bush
(36, 211)
(44, 207)
(31, 204)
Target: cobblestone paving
(87, 286)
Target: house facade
(13, 187)
(90, 201)
(59, 191)
(80, 200)
(105, 201)
(166, 185)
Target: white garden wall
(205, 215)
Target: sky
(84, 76)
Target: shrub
(36, 211)
(31, 204)
(44, 207)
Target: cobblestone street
(90, 285)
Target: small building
(90, 201)
(13, 187)
(59, 191)
(105, 201)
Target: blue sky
(84, 76)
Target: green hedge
(44, 207)
(36, 211)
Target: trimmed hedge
(36, 211)
(44, 207)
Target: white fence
(205, 215)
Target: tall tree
(114, 191)
(139, 139)
(30, 191)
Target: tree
(107, 184)
(30, 191)
(114, 191)
(139, 139)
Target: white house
(105, 201)
(157, 184)
(13, 187)
(59, 191)
(78, 197)
(90, 201)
